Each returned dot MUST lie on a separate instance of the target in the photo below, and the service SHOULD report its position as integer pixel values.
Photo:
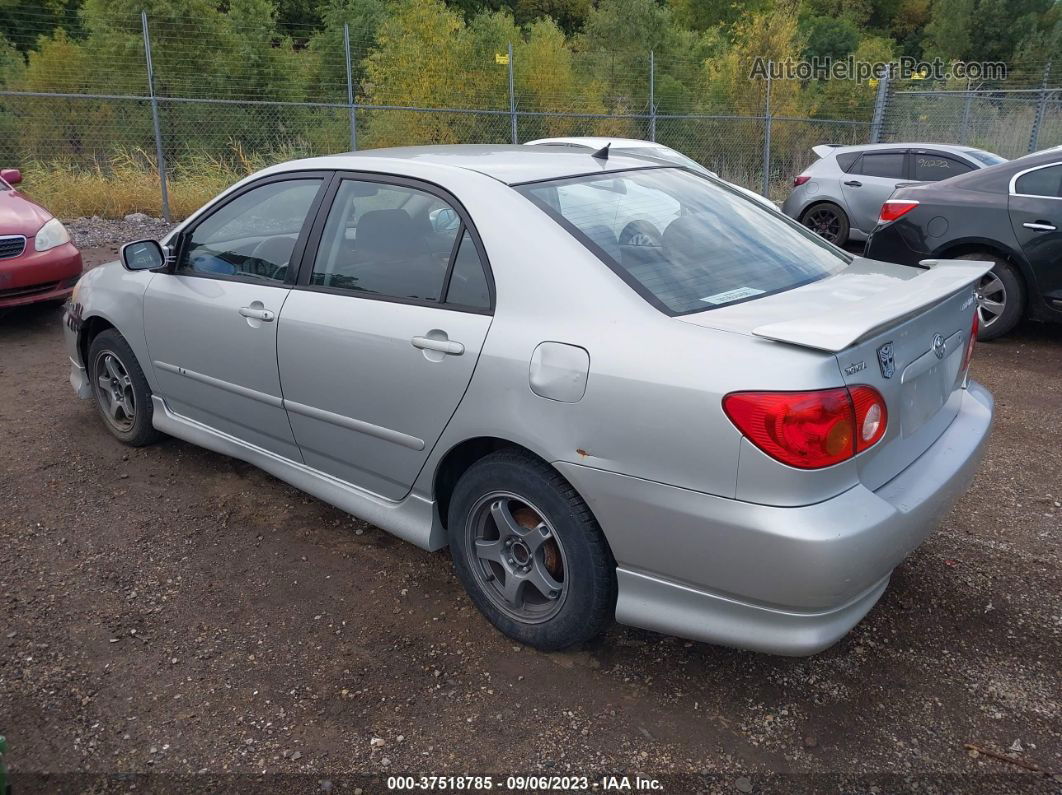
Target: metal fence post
(160, 156)
(350, 90)
(767, 135)
(512, 95)
(881, 102)
(1041, 109)
(652, 97)
(967, 102)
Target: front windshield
(686, 243)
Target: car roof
(902, 145)
(511, 164)
(596, 142)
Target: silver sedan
(614, 388)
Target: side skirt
(412, 519)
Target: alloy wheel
(114, 390)
(824, 222)
(991, 299)
(517, 558)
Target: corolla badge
(940, 347)
(886, 361)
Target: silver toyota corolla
(612, 387)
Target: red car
(37, 260)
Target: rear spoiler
(824, 149)
(863, 319)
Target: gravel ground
(190, 622)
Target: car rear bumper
(780, 580)
(39, 275)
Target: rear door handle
(854, 183)
(1040, 226)
(442, 346)
(257, 314)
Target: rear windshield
(685, 242)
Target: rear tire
(120, 390)
(529, 552)
(1001, 297)
(828, 221)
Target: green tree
(830, 38)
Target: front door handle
(854, 183)
(442, 346)
(1040, 226)
(257, 314)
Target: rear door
(379, 339)
(1035, 204)
(211, 324)
(871, 180)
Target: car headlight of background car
(52, 234)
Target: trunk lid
(899, 329)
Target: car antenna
(602, 153)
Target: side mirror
(445, 219)
(12, 176)
(143, 255)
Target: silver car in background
(716, 425)
(839, 196)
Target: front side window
(881, 164)
(393, 241)
(685, 242)
(253, 236)
(932, 167)
(1042, 182)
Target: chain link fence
(165, 133)
(1010, 117)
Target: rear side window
(468, 282)
(685, 243)
(933, 167)
(1042, 182)
(881, 164)
(847, 160)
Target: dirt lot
(168, 611)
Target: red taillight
(798, 181)
(894, 208)
(810, 430)
(968, 353)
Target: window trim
(300, 242)
(1012, 189)
(313, 243)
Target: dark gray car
(840, 195)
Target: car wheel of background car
(827, 221)
(1001, 296)
(120, 390)
(639, 233)
(530, 553)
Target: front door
(211, 324)
(379, 340)
(1036, 217)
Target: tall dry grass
(128, 181)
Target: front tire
(529, 552)
(828, 221)
(120, 390)
(1000, 297)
